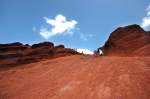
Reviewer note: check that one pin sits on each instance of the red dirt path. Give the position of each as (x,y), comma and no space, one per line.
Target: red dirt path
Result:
(78,77)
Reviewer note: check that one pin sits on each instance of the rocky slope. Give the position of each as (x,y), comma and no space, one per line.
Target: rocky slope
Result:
(78,77)
(131,40)
(17,53)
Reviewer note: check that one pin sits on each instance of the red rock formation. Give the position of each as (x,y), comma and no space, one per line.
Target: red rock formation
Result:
(131,40)
(17,53)
(79,76)
(43,44)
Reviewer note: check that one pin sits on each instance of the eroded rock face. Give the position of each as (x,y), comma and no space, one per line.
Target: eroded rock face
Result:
(43,44)
(131,40)
(16,53)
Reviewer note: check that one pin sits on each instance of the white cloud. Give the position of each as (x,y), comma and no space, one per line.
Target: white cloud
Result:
(85,51)
(148,8)
(148,13)
(60,25)
(85,37)
(146,20)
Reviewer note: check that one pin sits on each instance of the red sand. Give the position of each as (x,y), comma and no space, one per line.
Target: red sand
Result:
(78,77)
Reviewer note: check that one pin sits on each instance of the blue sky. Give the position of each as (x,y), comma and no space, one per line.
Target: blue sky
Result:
(74,23)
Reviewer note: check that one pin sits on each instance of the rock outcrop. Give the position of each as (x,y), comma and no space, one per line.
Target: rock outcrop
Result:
(16,53)
(131,40)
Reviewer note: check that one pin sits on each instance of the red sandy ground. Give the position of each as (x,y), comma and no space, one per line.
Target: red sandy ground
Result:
(78,77)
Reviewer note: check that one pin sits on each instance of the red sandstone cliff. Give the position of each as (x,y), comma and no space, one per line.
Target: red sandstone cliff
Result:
(131,40)
(17,53)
